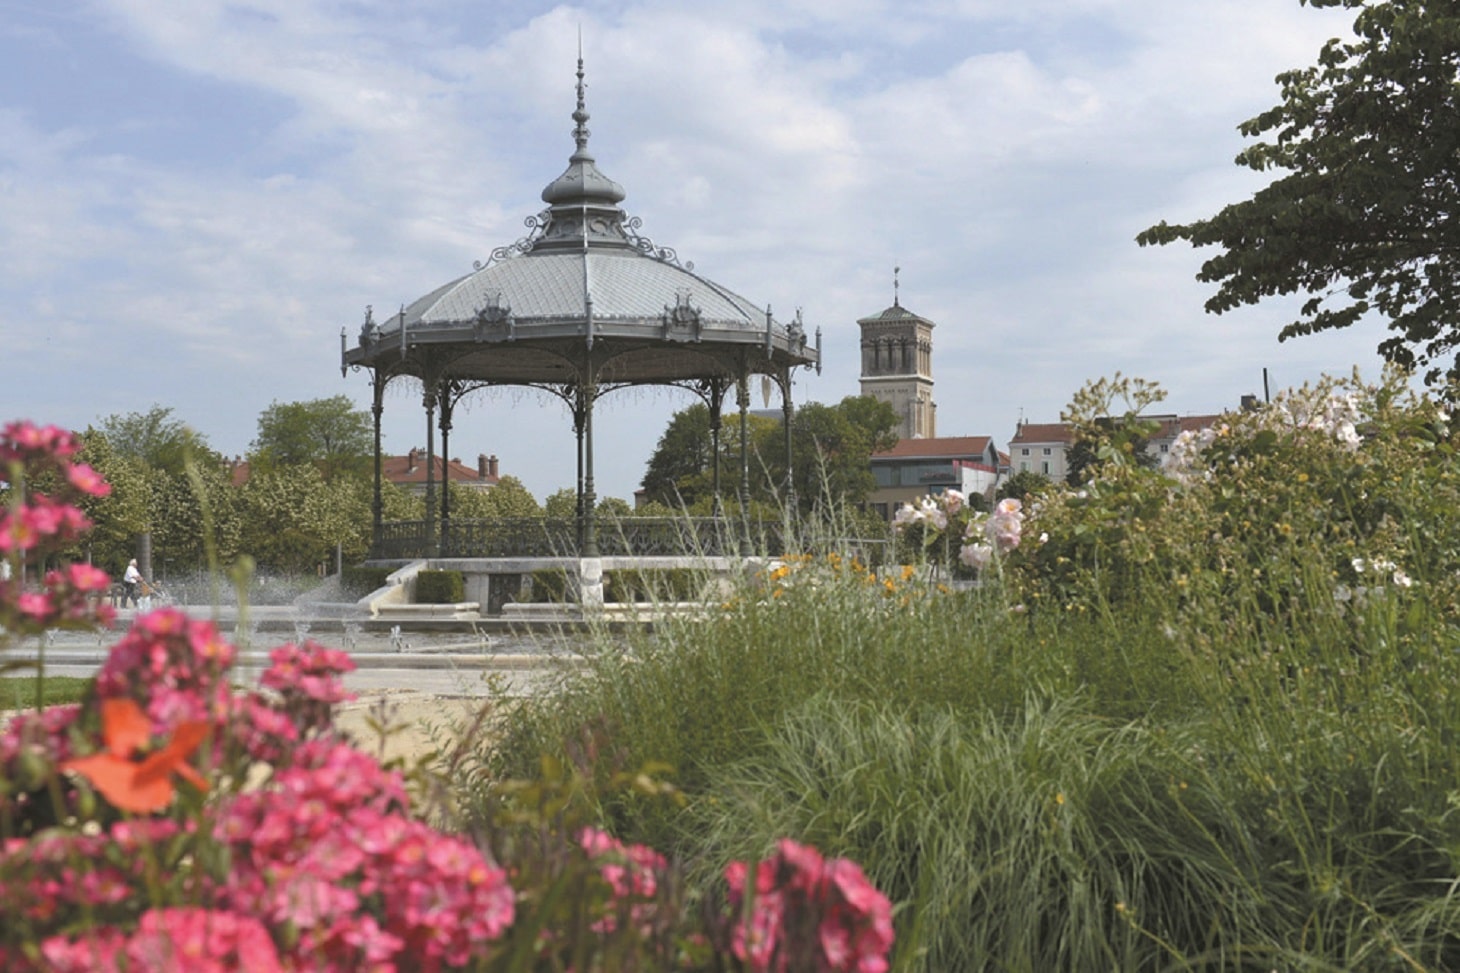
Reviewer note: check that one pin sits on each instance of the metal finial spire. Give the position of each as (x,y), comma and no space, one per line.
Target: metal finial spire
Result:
(580,131)
(895,272)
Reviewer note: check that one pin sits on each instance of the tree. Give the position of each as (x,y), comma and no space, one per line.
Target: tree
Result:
(158,439)
(130,509)
(330,433)
(1022,486)
(1363,220)
(510,498)
(292,519)
(832,447)
(561,504)
(681,468)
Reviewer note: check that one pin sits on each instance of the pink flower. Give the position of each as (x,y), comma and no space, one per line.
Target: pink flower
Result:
(800,895)
(88,952)
(194,940)
(87,480)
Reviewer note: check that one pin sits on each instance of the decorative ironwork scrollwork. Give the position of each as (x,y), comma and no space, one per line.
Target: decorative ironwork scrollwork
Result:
(536,226)
(648,247)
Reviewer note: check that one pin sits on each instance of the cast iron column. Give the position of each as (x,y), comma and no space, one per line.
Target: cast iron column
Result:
(742,398)
(377,409)
(429,401)
(447,392)
(788,412)
(590,499)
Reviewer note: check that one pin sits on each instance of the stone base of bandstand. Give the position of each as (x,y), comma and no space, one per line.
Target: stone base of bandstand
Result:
(492,587)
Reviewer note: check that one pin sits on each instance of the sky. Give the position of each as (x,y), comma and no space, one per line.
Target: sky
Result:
(196,196)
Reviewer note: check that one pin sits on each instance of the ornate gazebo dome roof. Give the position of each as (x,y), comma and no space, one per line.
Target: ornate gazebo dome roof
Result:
(583,279)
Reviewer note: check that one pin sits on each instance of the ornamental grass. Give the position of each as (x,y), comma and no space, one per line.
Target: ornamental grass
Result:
(1193,718)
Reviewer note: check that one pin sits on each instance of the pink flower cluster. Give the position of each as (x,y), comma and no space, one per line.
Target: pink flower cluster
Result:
(806,913)
(316,865)
(329,851)
(169,940)
(34,524)
(174,666)
(633,873)
(57,878)
(934,510)
(322,858)
(306,677)
(999,531)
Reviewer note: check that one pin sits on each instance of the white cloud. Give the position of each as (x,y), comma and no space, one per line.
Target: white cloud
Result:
(1003,153)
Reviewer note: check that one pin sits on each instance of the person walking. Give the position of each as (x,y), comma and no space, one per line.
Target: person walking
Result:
(131,578)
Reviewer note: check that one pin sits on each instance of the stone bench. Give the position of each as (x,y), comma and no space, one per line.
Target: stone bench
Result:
(455,610)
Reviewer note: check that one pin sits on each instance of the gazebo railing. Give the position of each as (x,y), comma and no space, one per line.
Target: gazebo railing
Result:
(548,537)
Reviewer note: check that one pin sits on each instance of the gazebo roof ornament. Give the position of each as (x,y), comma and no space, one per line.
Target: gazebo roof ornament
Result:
(582,185)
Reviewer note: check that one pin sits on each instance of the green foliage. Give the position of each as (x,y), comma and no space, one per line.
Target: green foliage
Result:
(197,519)
(1106,417)
(360,579)
(440,587)
(293,518)
(830,445)
(131,508)
(1361,218)
(681,468)
(158,439)
(550,586)
(329,433)
(1207,723)
(561,504)
(509,498)
(397,503)
(613,508)
(1023,486)
(664,585)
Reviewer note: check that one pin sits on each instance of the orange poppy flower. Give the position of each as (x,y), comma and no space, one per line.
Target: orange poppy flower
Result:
(139,786)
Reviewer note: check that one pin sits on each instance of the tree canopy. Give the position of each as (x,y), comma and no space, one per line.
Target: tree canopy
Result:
(158,439)
(330,433)
(1362,221)
(831,447)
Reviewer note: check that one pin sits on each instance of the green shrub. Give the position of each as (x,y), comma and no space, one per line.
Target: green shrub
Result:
(550,586)
(440,587)
(665,585)
(360,580)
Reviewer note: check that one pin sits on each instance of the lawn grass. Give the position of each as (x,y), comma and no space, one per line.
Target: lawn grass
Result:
(18,692)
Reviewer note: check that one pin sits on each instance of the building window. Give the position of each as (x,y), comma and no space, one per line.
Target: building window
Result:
(1024,451)
(1045,471)
(1023,467)
(1046,450)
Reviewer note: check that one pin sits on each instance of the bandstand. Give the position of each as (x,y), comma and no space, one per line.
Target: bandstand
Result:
(580,307)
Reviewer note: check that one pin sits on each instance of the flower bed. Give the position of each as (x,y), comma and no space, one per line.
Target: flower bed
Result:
(171,822)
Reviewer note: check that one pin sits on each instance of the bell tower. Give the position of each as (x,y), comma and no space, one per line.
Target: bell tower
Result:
(897,365)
